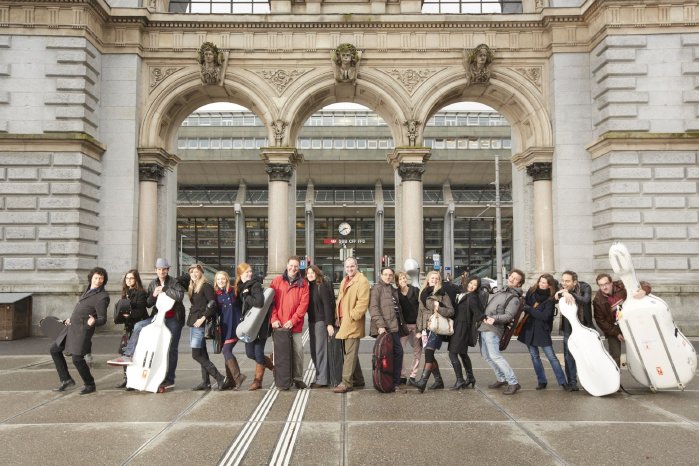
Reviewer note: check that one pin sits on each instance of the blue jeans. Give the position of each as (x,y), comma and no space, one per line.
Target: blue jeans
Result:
(175,330)
(571,369)
(196,337)
(256,350)
(539,367)
(490,350)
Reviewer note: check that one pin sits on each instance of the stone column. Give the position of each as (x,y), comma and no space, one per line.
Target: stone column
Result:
(410,165)
(149,174)
(280,166)
(543,216)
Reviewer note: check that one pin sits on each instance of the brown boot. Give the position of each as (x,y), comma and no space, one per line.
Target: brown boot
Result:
(268,363)
(235,375)
(259,373)
(229,375)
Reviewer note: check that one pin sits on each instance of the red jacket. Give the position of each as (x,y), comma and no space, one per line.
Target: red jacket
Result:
(290,301)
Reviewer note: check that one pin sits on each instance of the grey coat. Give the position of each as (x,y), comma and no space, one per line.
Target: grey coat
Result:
(497,310)
(78,335)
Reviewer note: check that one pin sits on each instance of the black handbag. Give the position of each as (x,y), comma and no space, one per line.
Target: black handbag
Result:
(212,331)
(123,306)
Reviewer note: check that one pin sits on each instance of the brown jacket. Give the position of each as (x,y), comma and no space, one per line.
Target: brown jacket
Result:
(605,316)
(355,302)
(446,308)
(382,308)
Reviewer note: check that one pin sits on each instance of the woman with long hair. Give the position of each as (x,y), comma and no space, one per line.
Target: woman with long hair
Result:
(432,299)
(468,314)
(249,293)
(229,309)
(321,315)
(408,300)
(203,299)
(536,332)
(132,291)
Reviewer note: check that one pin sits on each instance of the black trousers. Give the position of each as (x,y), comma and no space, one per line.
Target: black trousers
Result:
(78,361)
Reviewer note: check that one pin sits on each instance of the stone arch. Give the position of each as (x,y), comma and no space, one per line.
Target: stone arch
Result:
(321,90)
(510,93)
(180,94)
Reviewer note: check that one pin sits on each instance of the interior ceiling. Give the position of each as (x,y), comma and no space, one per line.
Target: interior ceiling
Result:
(343,173)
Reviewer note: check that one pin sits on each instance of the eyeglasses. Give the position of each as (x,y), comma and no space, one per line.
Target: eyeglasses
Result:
(129,278)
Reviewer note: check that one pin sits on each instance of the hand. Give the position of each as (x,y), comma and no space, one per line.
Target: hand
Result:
(288,324)
(66,322)
(639,293)
(489,320)
(157,291)
(382,330)
(331,330)
(620,337)
(436,306)
(569,297)
(276,324)
(91,321)
(200,321)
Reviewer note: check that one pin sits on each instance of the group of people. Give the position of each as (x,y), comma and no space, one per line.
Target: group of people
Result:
(395,307)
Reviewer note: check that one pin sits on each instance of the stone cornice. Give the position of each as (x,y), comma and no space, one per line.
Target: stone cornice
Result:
(53,142)
(158,156)
(637,141)
(532,155)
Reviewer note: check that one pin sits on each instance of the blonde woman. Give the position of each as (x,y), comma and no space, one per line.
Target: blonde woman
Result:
(432,299)
(203,299)
(229,309)
(249,294)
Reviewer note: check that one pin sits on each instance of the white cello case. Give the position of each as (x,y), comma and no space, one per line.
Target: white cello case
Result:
(253,319)
(597,371)
(657,353)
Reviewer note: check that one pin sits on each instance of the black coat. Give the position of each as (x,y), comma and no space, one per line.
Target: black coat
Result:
(78,335)
(250,295)
(203,304)
(409,304)
(321,303)
(537,328)
(468,314)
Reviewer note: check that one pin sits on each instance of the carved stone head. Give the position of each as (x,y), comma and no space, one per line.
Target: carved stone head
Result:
(477,63)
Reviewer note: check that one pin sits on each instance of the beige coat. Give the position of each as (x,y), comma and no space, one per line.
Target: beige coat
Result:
(355,302)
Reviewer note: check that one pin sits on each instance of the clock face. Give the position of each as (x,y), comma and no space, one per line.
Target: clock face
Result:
(344,228)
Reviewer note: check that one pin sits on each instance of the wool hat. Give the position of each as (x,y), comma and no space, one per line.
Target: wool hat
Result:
(162,263)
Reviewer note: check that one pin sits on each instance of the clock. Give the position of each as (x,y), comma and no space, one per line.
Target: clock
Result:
(344,228)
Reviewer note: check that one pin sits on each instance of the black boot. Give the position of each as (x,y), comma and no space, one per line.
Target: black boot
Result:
(460,384)
(438,382)
(221,380)
(470,380)
(205,382)
(426,372)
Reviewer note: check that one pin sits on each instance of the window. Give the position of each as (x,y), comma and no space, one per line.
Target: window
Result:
(507,144)
(496,143)
(327,120)
(204,120)
(472,120)
(349,143)
(260,142)
(450,120)
(215,143)
(428,142)
(438,143)
(383,143)
(473,143)
(327,143)
(315,143)
(471,6)
(462,143)
(451,143)
(339,143)
(439,120)
(192,143)
(305,143)
(249,143)
(249,120)
(220,6)
(215,121)
(361,120)
(361,143)
(182,143)
(226,143)
(372,143)
(315,120)
(485,143)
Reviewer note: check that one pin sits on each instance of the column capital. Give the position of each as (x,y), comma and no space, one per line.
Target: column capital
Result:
(411,171)
(540,171)
(409,162)
(150,172)
(280,162)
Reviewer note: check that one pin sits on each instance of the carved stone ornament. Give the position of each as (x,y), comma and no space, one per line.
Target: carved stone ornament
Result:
(477,62)
(150,172)
(411,171)
(279,128)
(533,74)
(157,75)
(413,127)
(211,61)
(345,59)
(280,79)
(410,78)
(279,171)
(540,171)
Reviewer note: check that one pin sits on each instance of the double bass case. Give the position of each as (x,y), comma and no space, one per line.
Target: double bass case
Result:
(283,358)
(658,355)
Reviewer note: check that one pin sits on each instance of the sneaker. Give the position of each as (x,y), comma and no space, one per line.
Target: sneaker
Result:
(121,361)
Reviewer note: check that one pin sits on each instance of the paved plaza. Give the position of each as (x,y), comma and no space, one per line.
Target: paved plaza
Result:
(318,427)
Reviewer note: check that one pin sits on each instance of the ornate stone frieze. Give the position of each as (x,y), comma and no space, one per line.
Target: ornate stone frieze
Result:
(411,171)
(410,78)
(540,171)
(279,171)
(532,73)
(157,75)
(150,172)
(280,78)
(413,127)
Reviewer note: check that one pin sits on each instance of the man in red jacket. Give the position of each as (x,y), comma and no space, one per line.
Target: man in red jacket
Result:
(290,306)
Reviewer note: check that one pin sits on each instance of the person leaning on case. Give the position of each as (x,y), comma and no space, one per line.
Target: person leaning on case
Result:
(76,337)
(133,300)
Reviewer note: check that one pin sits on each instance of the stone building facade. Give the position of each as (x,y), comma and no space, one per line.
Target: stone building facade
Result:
(602,98)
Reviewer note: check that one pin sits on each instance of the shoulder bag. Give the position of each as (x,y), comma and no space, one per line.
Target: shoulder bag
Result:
(212,331)
(440,325)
